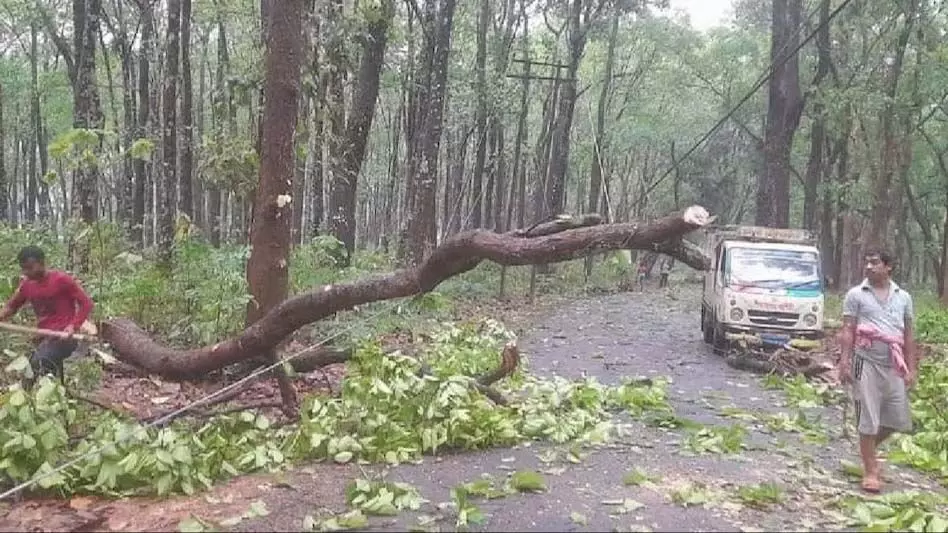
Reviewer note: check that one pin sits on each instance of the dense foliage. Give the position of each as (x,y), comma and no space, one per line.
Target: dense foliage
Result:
(386,412)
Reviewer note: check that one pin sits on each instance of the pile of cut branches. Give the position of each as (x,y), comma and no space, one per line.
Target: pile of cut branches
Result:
(812,359)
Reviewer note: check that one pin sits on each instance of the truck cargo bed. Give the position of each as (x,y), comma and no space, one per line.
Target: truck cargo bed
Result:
(761,234)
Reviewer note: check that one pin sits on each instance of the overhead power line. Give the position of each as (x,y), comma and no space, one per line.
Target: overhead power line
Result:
(779,62)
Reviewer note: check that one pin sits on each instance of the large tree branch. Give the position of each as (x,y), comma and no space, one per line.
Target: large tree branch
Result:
(458,254)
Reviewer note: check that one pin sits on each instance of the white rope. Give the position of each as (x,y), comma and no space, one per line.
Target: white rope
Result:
(177,412)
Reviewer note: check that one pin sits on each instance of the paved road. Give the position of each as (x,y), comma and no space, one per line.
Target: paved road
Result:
(610,337)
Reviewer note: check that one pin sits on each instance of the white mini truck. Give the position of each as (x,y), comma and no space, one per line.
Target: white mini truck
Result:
(765,285)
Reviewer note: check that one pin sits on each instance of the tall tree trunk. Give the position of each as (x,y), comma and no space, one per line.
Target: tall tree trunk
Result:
(15,216)
(319,165)
(456,153)
(4,181)
(111,198)
(40,191)
(143,125)
(938,261)
(36,121)
(336,110)
(544,162)
(943,274)
(358,126)
(520,162)
(256,126)
(844,274)
(267,268)
(480,119)
(928,239)
(543,154)
(225,126)
(491,170)
(390,214)
(815,165)
(87,110)
(186,181)
(595,173)
(499,173)
(318,137)
(560,142)
(200,125)
(499,163)
(30,185)
(783,116)
(421,230)
(411,89)
(169,181)
(127,189)
(305,156)
(881,212)
(301,155)
(595,181)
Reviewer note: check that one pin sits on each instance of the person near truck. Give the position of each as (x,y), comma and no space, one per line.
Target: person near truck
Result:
(664,272)
(60,304)
(878,359)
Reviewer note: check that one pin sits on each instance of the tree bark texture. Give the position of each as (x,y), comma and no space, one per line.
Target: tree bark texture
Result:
(144,116)
(169,145)
(267,272)
(560,140)
(186,181)
(428,109)
(815,164)
(783,116)
(480,120)
(87,108)
(359,123)
(336,70)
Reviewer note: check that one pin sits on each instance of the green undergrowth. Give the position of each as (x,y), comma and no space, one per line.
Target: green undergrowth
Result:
(388,411)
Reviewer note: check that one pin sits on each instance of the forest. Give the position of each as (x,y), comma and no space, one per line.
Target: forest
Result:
(325,233)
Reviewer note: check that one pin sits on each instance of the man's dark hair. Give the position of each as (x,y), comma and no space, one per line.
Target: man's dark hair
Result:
(31,252)
(883,256)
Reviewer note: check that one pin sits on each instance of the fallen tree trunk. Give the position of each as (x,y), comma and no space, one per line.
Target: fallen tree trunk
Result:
(458,254)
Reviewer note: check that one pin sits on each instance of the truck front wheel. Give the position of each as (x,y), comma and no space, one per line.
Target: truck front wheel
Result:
(718,338)
(706,328)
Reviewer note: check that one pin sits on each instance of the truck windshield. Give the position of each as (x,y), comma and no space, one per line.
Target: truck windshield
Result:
(772,268)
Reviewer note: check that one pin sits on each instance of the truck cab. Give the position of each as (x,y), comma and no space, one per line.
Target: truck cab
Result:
(764,284)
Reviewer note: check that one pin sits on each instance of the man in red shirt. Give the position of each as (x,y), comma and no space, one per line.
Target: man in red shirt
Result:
(59,303)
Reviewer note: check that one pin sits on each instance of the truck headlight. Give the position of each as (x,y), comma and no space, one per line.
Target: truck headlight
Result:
(737,314)
(809,320)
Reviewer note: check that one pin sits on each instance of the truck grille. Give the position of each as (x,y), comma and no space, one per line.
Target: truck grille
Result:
(773,318)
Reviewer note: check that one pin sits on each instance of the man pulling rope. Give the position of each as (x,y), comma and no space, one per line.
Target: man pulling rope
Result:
(60,304)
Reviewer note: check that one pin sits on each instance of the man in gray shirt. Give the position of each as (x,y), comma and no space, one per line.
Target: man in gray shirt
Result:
(878,359)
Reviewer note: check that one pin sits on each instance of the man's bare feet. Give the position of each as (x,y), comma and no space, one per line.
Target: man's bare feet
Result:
(871,483)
